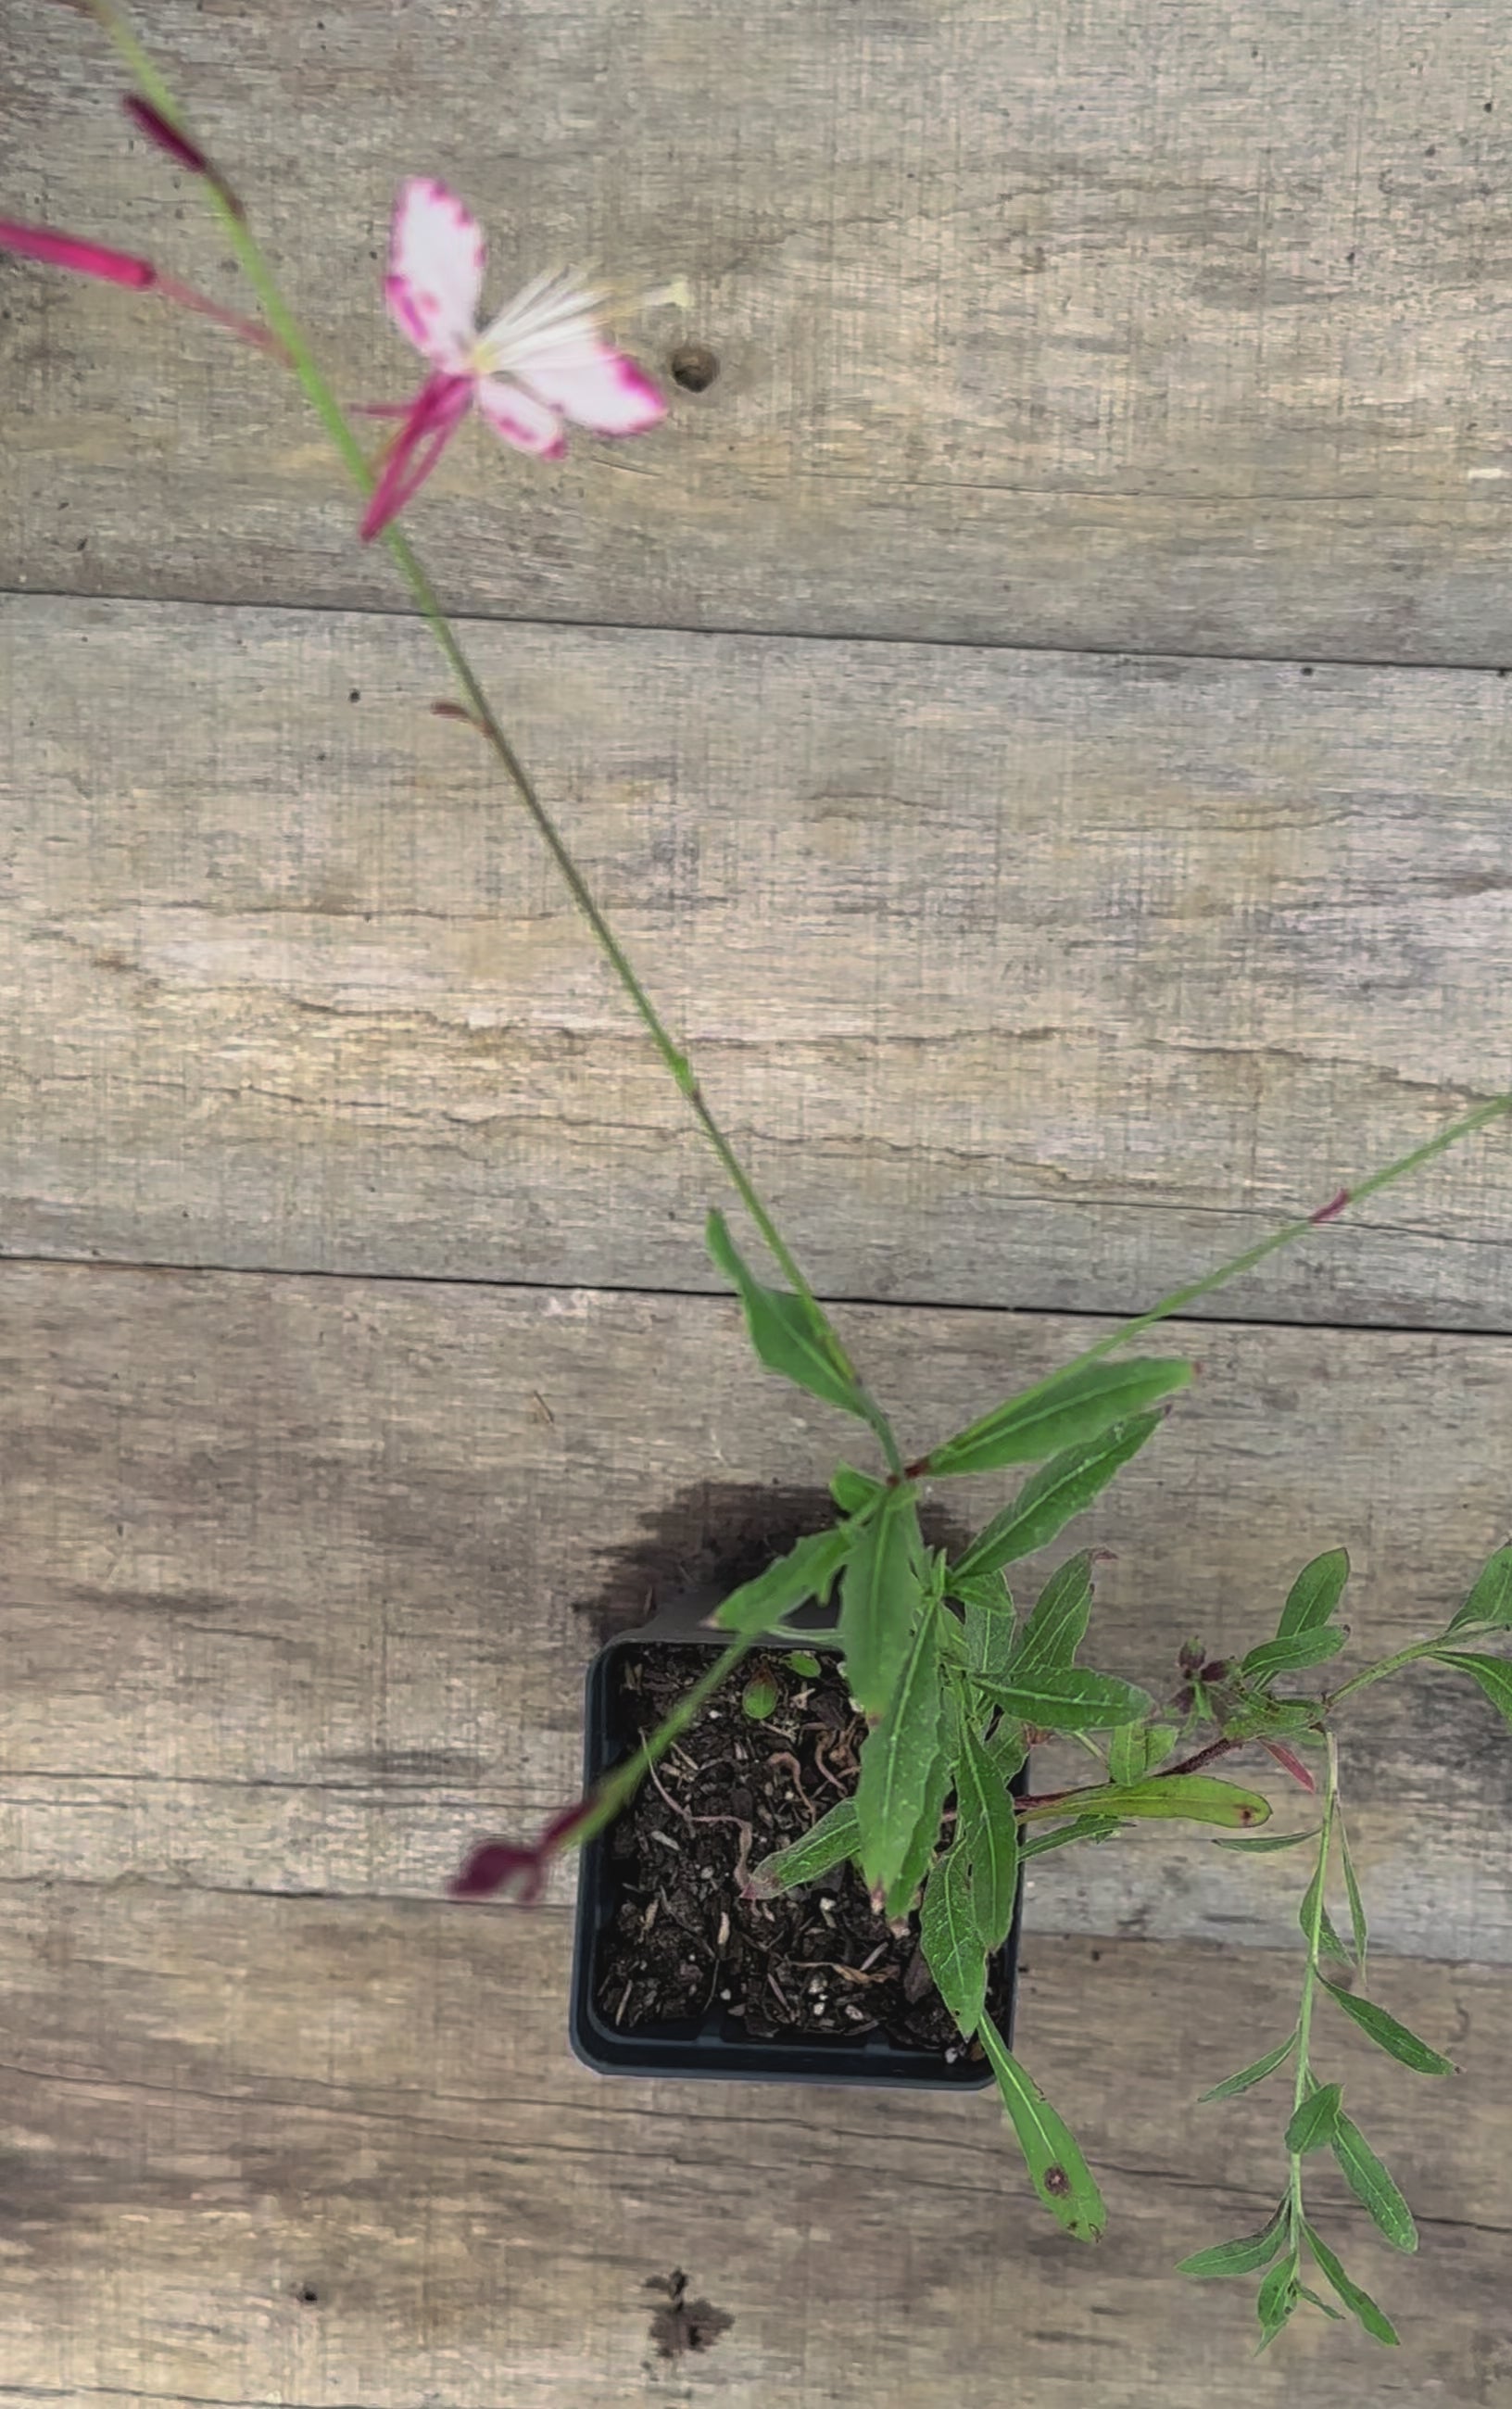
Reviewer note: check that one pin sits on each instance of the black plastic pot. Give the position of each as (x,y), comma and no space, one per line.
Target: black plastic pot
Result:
(716,2044)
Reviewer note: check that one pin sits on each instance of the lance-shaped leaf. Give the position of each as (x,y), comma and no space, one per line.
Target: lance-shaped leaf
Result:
(989,1830)
(1071,1700)
(1278,2296)
(897,1760)
(1249,2076)
(1330,1944)
(807,1570)
(1316,2121)
(1057,1625)
(1313,1594)
(1137,1749)
(1264,1845)
(1385,2031)
(1292,1654)
(1374,2319)
(1358,1927)
(1065,1487)
(1245,2256)
(1488,1606)
(1084,1828)
(852,1489)
(919,1855)
(952,1946)
(1080,1405)
(1171,1798)
(880,1595)
(1056,2168)
(835,1838)
(1493,1673)
(1373,2187)
(788,1332)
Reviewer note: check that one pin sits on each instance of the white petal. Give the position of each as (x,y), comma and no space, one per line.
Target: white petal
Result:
(592,385)
(520,419)
(436,272)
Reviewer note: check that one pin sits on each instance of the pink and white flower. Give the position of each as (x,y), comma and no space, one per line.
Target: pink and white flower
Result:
(541,364)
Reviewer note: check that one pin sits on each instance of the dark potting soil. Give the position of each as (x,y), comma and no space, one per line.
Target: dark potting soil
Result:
(730,1791)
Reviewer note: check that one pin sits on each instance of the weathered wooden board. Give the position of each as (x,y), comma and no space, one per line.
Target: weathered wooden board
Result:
(300,1574)
(1022,979)
(323,2151)
(1162,325)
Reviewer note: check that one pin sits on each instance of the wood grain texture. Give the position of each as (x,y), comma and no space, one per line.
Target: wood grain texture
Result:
(1020,978)
(223,2107)
(301,1575)
(1163,324)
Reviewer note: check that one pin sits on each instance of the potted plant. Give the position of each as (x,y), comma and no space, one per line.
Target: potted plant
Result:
(869,1778)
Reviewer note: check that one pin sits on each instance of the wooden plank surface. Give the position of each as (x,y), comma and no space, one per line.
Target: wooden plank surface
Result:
(1163,324)
(1021,978)
(330,2152)
(301,1575)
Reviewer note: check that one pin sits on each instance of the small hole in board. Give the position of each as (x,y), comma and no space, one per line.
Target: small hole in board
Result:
(308,2294)
(694,367)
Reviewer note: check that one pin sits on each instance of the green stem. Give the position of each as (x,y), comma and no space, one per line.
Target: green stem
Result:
(618,1788)
(1494,1108)
(1378,1672)
(290,337)
(1310,1978)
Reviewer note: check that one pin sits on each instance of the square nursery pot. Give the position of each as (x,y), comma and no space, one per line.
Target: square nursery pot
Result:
(717,2044)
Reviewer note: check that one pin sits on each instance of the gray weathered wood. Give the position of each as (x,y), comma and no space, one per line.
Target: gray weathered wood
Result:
(221,2107)
(1021,978)
(300,1574)
(1153,326)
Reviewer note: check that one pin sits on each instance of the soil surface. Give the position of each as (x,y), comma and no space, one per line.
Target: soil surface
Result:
(685,1937)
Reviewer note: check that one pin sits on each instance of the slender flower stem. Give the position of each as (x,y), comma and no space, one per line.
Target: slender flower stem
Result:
(1309,1979)
(288,334)
(618,1788)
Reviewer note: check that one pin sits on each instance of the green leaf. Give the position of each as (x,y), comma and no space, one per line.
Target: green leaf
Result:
(1306,2292)
(1360,1930)
(1242,2257)
(1493,1673)
(991,1632)
(789,1333)
(1364,2308)
(1313,2124)
(880,1593)
(1070,1700)
(1277,2299)
(836,1837)
(1057,1625)
(1082,1827)
(897,1760)
(1249,2076)
(853,1491)
(1328,1942)
(1267,1842)
(758,1697)
(804,1663)
(1056,2168)
(1385,2031)
(952,1945)
(1313,1594)
(1007,1749)
(1488,1606)
(1292,1654)
(989,1838)
(1173,1798)
(919,1855)
(1263,1717)
(806,1571)
(1136,1749)
(1373,2187)
(1081,1404)
(1064,1488)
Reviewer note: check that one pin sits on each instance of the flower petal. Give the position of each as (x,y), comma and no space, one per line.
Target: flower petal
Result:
(520,419)
(435,271)
(66,251)
(592,385)
(440,408)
